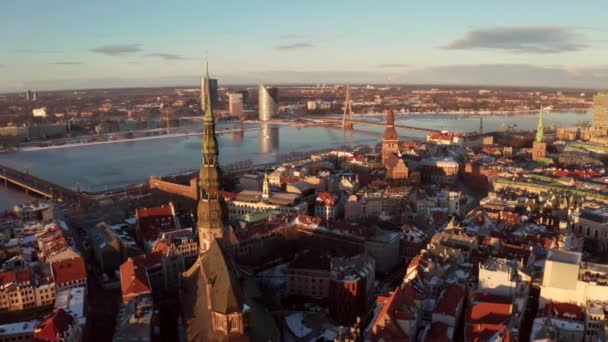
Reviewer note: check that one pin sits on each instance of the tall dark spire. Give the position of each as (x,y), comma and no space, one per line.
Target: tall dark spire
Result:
(210,206)
(390,139)
(390,118)
(540,129)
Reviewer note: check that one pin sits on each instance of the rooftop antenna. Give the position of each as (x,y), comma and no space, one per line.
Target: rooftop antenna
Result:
(207,63)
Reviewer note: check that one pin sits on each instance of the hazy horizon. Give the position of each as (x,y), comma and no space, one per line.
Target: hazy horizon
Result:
(152,43)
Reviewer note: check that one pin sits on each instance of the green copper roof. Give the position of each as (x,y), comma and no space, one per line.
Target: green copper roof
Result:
(208,117)
(540,129)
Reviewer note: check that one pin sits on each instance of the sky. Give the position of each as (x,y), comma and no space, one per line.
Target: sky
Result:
(74,44)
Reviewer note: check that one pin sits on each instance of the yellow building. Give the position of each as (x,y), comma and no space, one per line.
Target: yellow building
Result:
(600,110)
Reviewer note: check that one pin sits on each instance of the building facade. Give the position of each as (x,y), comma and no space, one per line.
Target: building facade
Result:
(600,111)
(268,102)
(235,104)
(211,85)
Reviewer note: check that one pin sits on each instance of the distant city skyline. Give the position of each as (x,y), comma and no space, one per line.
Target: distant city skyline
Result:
(73,45)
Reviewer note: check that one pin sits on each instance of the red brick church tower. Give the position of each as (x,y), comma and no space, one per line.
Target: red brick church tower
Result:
(390,140)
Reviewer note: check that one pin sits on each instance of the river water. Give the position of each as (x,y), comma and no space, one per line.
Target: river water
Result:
(110,166)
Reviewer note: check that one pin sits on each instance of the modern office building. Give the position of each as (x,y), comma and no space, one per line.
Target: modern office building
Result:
(235,103)
(212,92)
(600,110)
(268,102)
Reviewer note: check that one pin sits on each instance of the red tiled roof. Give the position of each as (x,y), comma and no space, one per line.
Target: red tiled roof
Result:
(229,195)
(151,221)
(69,270)
(55,328)
(260,229)
(161,247)
(485,332)
(489,313)
(509,251)
(451,299)
(165,210)
(437,332)
(564,310)
(133,280)
(418,262)
(326,198)
(576,173)
(305,219)
(398,306)
(20,276)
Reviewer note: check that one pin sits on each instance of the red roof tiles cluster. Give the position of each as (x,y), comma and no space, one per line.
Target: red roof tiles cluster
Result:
(445,136)
(21,276)
(259,230)
(69,271)
(56,328)
(564,310)
(134,279)
(399,305)
(488,316)
(52,241)
(578,174)
(152,221)
(450,300)
(326,199)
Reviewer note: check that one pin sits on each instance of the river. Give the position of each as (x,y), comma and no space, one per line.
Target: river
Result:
(101,167)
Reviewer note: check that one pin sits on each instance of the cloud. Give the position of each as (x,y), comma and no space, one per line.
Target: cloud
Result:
(167,56)
(66,63)
(117,49)
(511,75)
(294,46)
(291,36)
(392,65)
(35,51)
(530,39)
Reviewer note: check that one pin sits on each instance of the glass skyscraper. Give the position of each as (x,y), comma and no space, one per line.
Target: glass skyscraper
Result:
(268,102)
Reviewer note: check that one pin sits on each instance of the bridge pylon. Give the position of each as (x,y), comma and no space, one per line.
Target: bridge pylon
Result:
(348,110)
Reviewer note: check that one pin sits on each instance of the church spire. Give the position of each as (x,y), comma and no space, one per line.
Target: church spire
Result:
(390,118)
(210,205)
(207,96)
(540,129)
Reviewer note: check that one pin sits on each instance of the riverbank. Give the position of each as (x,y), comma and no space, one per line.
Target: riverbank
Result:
(483,113)
(115,141)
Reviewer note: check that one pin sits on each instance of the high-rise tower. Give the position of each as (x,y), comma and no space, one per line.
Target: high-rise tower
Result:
(268,102)
(390,140)
(539,147)
(211,84)
(211,203)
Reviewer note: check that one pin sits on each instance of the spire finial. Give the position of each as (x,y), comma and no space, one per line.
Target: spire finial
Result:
(206,63)
(540,129)
(207,97)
